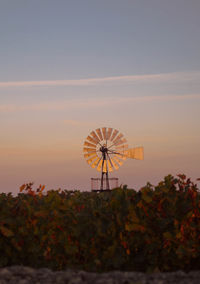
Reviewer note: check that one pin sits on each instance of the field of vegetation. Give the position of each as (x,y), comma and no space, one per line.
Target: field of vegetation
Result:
(154,229)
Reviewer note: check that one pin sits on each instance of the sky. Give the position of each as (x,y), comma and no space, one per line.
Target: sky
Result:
(69,67)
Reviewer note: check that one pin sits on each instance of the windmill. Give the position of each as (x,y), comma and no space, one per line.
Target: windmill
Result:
(105,149)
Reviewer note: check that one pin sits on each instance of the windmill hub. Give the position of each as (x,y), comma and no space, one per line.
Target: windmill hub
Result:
(104,149)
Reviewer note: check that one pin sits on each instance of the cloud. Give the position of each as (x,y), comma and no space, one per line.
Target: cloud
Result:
(162,77)
(78,104)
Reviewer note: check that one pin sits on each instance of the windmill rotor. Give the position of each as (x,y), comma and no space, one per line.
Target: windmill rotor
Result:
(105,149)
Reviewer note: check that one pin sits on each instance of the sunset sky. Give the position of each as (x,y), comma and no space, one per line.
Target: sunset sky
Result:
(69,67)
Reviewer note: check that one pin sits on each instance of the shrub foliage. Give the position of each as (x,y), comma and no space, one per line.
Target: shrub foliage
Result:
(155,228)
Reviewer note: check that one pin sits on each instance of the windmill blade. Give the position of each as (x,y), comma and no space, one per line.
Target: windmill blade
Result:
(109,132)
(95,163)
(115,132)
(93,134)
(120,142)
(110,169)
(135,153)
(89,150)
(121,156)
(99,165)
(104,133)
(114,164)
(99,133)
(118,160)
(123,147)
(89,144)
(118,138)
(92,140)
(89,155)
(119,153)
(91,160)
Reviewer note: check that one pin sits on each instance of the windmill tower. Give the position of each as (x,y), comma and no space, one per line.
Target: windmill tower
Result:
(105,149)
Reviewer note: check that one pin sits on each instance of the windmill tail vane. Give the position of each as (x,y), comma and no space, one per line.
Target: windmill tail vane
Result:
(135,153)
(105,149)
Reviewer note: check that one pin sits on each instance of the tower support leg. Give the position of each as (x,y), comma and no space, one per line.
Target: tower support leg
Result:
(102,174)
(106,173)
(107,181)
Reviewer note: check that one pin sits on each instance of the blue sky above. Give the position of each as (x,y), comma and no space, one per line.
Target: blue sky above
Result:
(76,39)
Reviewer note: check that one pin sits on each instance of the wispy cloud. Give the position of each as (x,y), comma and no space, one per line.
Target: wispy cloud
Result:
(93,103)
(162,77)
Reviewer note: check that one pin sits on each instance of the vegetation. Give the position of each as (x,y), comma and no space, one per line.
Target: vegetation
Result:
(155,228)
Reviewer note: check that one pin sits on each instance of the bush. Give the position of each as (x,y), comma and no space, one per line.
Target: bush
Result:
(156,228)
